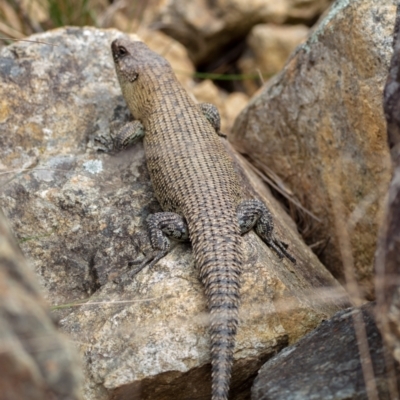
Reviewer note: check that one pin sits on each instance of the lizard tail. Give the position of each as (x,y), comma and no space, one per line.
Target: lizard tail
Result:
(217,246)
(223,327)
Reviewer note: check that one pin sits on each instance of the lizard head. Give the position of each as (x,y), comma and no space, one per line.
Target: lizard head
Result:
(139,69)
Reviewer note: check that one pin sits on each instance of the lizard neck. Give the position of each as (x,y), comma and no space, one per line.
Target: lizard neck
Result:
(146,97)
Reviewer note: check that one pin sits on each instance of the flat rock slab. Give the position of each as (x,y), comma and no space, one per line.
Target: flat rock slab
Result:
(326,364)
(319,126)
(79,214)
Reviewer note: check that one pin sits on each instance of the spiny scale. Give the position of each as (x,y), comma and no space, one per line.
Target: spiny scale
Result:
(197,187)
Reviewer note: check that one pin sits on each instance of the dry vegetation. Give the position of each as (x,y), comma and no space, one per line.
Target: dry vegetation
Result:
(21,18)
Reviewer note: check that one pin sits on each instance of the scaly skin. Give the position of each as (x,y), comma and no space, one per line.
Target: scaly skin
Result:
(197,187)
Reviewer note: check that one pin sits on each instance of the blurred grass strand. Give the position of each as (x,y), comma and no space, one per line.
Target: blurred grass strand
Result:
(10,32)
(342,231)
(75,12)
(222,77)
(19,18)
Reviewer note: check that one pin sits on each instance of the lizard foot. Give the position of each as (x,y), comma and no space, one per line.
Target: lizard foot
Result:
(255,214)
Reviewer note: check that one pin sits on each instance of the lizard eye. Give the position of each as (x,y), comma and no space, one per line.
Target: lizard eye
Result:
(121,51)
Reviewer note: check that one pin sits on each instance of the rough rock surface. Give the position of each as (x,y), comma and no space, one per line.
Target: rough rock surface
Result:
(269,48)
(205,27)
(36,361)
(319,126)
(80,215)
(326,364)
(387,263)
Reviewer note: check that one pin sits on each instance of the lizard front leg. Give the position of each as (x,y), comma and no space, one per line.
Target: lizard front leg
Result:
(162,227)
(128,135)
(213,117)
(255,214)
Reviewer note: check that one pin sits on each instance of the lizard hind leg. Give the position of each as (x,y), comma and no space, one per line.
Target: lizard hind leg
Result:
(255,214)
(162,227)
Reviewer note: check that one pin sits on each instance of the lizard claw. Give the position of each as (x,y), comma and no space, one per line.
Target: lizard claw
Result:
(150,260)
(130,274)
(283,249)
(134,262)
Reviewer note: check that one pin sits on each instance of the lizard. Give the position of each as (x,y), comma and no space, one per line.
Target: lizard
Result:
(197,187)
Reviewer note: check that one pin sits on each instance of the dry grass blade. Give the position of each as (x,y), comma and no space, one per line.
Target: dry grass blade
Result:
(105,19)
(280,187)
(342,232)
(260,76)
(31,25)
(140,9)
(272,175)
(9,18)
(88,303)
(27,40)
(10,32)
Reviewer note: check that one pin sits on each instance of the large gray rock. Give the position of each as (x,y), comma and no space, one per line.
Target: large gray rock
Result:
(319,127)
(326,364)
(80,216)
(36,361)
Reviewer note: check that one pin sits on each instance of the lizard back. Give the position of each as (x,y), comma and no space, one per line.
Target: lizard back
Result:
(193,176)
